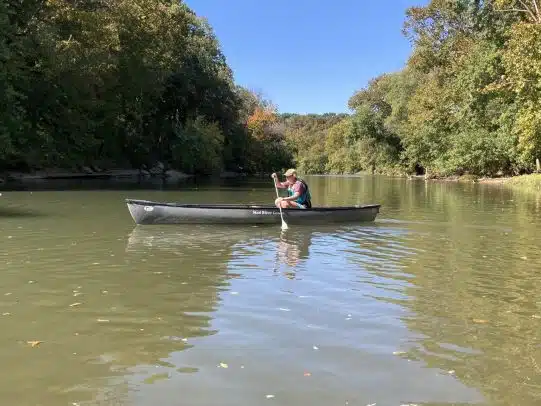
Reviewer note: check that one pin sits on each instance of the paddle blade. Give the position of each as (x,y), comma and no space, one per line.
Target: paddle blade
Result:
(284,225)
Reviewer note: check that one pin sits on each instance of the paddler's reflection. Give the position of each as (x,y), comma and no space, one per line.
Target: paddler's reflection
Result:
(292,250)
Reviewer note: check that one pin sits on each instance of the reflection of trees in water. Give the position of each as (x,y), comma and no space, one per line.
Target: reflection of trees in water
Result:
(135,305)
(475,290)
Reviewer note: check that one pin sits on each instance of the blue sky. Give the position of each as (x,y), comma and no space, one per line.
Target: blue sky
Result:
(309,56)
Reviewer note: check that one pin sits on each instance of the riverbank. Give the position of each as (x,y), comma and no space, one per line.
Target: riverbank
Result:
(157,172)
(529,182)
(44,175)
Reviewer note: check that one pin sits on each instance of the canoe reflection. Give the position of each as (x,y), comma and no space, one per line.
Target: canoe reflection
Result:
(290,247)
(205,238)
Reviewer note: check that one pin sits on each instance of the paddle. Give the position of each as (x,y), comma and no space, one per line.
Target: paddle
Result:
(284,224)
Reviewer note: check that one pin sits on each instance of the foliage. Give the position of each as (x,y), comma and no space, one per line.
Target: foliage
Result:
(467,101)
(125,82)
(198,147)
(133,83)
(305,137)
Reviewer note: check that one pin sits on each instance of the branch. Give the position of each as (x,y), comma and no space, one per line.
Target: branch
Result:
(522,10)
(528,10)
(513,9)
(536,10)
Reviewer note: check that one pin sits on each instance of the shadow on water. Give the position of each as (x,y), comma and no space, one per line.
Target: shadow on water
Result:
(17,212)
(135,184)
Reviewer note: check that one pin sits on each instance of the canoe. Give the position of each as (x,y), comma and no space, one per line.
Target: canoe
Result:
(149,212)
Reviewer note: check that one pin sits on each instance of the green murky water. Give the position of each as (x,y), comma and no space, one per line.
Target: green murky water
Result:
(436,303)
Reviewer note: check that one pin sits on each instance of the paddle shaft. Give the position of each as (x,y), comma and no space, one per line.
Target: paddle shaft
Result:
(284,224)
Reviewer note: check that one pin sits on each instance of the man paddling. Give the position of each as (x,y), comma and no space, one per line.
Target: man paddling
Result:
(297,190)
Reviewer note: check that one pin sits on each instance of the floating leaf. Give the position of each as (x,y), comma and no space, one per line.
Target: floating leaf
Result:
(75,304)
(34,343)
(480,321)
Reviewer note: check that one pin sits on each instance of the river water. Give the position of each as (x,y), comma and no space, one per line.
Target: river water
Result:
(435,303)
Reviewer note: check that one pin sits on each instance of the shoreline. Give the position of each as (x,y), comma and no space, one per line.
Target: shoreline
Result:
(527,181)
(10,177)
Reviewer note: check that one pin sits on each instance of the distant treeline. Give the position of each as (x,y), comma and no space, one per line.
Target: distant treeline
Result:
(118,83)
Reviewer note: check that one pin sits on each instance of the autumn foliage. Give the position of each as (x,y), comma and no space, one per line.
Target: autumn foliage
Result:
(261,119)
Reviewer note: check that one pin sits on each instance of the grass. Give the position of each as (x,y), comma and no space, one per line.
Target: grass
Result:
(530,182)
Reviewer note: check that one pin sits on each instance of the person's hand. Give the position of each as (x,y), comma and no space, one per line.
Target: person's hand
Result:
(274,176)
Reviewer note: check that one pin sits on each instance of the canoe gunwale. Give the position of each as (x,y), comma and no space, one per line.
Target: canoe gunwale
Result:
(220,206)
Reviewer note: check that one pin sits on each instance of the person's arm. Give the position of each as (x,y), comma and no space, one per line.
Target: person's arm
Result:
(277,183)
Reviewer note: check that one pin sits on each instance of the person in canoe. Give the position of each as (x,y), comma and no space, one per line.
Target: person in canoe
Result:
(297,190)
